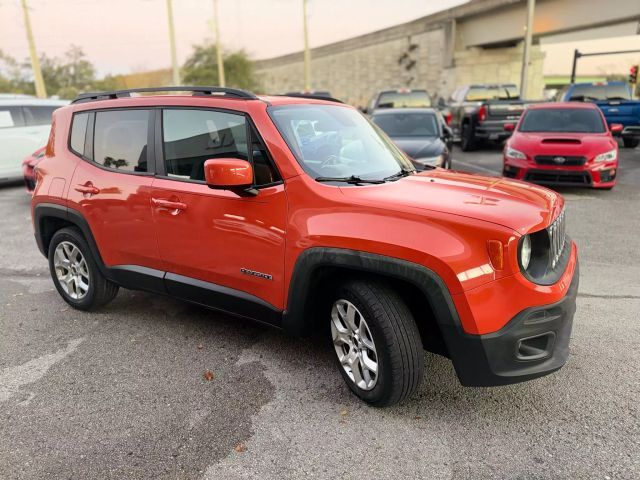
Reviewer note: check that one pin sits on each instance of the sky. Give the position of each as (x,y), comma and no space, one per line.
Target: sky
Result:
(123,36)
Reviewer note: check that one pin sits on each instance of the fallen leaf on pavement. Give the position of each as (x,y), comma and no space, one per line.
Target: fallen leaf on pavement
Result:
(240,448)
(208,375)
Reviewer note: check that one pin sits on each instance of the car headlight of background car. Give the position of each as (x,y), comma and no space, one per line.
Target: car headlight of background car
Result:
(434,161)
(513,153)
(606,156)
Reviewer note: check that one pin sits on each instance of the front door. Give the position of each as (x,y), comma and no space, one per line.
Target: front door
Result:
(219,248)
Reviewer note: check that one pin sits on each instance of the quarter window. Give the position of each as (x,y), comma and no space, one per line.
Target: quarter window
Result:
(78,132)
(120,140)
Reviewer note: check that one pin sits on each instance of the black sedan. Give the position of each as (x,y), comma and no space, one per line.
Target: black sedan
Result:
(419,132)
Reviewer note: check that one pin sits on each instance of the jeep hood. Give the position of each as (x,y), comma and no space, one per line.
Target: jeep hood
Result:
(521,206)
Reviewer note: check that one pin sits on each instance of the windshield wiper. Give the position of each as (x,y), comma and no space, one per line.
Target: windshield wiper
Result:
(617,98)
(353,179)
(402,173)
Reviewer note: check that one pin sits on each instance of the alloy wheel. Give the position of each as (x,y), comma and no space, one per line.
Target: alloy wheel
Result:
(354,344)
(71,270)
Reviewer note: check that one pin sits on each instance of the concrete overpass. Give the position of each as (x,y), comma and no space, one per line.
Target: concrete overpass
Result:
(480,41)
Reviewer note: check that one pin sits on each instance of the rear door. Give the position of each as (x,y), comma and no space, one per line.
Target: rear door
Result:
(218,247)
(111,187)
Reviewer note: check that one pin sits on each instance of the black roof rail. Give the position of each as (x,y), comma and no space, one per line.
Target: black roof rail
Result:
(217,91)
(313,97)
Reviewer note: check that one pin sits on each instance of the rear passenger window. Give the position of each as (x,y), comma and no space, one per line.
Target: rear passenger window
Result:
(120,139)
(78,132)
(191,137)
(38,115)
(11,117)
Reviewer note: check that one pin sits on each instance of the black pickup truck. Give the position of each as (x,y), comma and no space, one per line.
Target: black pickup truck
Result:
(480,111)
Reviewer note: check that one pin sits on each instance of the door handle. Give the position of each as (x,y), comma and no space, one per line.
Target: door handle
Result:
(168,204)
(88,189)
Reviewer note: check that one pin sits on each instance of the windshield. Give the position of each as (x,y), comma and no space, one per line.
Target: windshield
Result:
(495,92)
(409,99)
(568,120)
(337,141)
(408,124)
(600,92)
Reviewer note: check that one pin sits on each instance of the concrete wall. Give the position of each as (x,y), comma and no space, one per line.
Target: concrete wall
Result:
(355,72)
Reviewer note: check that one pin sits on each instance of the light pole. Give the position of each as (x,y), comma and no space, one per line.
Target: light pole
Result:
(307,57)
(41,91)
(172,42)
(526,55)
(216,27)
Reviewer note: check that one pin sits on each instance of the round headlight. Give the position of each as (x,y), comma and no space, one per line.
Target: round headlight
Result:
(525,252)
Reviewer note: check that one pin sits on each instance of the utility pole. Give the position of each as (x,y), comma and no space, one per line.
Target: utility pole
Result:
(576,56)
(307,58)
(172,42)
(41,91)
(526,54)
(216,27)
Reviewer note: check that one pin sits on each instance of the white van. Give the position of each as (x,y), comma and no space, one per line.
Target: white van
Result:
(24,127)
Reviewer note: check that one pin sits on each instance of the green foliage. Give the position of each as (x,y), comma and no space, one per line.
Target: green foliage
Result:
(201,68)
(65,77)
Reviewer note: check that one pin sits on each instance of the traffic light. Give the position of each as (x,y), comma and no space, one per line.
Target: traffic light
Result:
(633,74)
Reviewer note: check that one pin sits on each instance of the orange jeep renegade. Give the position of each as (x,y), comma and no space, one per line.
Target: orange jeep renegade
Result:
(300,213)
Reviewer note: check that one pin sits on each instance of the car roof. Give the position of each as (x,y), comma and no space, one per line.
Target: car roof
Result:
(390,111)
(547,105)
(31,102)
(191,100)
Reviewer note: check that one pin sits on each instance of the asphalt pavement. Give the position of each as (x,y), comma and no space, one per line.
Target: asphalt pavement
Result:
(122,393)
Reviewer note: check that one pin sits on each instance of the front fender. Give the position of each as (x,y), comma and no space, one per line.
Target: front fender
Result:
(310,261)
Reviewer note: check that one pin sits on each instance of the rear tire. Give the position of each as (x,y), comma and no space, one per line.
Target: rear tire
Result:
(468,141)
(630,142)
(383,333)
(75,273)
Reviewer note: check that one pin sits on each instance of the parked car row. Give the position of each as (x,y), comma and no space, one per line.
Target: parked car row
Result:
(473,114)
(563,143)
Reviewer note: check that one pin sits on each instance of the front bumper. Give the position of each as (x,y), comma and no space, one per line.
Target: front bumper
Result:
(589,175)
(534,343)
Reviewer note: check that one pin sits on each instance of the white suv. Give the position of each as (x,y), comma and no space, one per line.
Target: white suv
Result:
(24,127)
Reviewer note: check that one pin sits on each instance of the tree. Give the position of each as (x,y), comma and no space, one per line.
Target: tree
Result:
(69,75)
(14,76)
(201,68)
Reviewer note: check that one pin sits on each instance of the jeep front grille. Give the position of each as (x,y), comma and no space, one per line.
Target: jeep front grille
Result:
(557,238)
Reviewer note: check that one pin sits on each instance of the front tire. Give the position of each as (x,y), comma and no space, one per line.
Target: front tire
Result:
(630,142)
(75,273)
(377,342)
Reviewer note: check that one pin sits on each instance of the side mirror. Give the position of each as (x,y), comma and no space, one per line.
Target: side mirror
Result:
(616,128)
(509,127)
(229,174)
